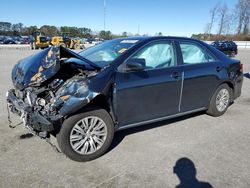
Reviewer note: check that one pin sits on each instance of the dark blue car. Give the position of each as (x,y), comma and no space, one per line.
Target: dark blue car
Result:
(82,99)
(229,48)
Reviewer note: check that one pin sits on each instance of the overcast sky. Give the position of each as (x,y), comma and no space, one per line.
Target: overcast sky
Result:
(171,17)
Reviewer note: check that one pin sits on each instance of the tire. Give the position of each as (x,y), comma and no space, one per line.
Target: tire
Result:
(31,46)
(233,54)
(76,46)
(74,147)
(214,106)
(63,45)
(82,47)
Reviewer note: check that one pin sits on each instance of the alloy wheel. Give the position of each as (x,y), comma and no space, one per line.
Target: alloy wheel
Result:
(88,135)
(222,100)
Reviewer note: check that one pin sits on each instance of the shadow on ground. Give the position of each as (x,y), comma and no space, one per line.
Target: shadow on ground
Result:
(27,135)
(247,75)
(120,135)
(186,172)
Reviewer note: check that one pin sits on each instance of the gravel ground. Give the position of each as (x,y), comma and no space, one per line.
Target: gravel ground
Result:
(218,148)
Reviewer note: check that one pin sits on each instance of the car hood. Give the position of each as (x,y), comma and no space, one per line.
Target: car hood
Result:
(36,69)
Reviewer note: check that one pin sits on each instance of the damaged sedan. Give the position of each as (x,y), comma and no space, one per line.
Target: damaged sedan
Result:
(84,98)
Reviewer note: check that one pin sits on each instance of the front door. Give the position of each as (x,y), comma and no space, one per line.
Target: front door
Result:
(152,93)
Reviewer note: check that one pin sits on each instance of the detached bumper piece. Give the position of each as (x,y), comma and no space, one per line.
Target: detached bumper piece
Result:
(32,119)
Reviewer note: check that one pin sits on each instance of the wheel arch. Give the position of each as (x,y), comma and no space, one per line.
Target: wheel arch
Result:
(230,85)
(99,101)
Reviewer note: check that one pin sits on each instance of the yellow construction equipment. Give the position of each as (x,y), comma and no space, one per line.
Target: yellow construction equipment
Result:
(39,41)
(66,41)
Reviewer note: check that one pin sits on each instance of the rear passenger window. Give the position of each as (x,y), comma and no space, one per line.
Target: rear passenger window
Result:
(193,54)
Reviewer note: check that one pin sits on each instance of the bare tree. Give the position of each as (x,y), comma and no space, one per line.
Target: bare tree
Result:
(236,21)
(223,18)
(207,29)
(246,17)
(243,14)
(240,15)
(230,24)
(246,25)
(213,13)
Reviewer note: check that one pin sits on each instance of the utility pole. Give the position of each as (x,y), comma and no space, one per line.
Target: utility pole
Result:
(104,15)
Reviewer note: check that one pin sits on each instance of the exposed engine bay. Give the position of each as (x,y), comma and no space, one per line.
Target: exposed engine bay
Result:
(48,87)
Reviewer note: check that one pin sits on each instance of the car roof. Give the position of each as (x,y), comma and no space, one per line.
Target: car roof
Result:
(157,37)
(153,38)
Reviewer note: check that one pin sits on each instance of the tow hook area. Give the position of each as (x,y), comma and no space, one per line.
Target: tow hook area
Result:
(53,145)
(43,135)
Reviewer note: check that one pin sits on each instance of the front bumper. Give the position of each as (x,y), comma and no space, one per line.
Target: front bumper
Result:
(31,118)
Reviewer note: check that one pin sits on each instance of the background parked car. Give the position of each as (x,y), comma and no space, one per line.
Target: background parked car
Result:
(9,41)
(2,39)
(230,48)
(25,40)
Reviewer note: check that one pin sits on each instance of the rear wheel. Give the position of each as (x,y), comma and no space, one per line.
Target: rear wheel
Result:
(62,44)
(233,54)
(220,101)
(86,136)
(82,47)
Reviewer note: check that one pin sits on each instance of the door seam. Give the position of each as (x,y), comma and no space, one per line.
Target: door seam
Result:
(181,93)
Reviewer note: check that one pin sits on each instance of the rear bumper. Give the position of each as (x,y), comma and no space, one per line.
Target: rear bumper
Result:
(238,86)
(31,118)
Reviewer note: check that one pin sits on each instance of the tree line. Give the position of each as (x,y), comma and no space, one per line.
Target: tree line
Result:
(226,24)
(18,29)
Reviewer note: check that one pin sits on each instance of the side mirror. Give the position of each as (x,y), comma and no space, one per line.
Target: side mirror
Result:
(135,65)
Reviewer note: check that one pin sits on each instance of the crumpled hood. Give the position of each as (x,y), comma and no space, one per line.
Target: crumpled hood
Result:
(36,69)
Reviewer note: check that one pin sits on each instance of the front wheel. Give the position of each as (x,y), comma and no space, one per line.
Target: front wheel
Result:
(220,101)
(86,136)
(76,46)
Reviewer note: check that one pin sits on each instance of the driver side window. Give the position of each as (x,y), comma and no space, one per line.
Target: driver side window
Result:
(157,55)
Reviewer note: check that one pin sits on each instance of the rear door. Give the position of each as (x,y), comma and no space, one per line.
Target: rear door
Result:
(201,75)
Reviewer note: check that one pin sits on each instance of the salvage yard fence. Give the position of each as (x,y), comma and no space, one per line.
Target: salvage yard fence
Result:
(25,46)
(240,44)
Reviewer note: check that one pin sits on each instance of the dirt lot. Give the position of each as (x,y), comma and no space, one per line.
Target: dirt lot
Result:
(219,148)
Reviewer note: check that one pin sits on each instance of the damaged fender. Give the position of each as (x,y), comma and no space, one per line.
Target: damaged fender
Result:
(73,95)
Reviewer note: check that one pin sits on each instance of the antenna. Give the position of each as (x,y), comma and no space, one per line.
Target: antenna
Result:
(104,15)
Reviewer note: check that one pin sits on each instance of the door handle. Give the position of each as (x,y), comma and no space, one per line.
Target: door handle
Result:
(175,75)
(218,69)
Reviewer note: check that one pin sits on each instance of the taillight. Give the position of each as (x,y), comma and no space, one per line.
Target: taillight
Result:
(241,67)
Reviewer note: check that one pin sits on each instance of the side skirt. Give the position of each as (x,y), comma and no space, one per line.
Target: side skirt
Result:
(159,119)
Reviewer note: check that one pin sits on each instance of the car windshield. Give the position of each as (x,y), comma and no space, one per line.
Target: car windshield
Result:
(105,53)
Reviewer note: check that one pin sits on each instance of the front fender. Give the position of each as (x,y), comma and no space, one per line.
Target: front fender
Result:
(73,95)
(74,103)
